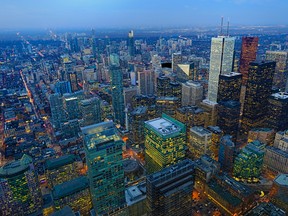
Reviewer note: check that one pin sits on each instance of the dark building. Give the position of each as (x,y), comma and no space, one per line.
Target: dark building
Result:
(259,89)
(277,117)
(169,191)
(131,45)
(229,87)
(163,86)
(248,54)
(226,153)
(228,117)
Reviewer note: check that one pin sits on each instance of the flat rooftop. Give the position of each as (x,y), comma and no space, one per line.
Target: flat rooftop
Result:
(135,193)
(201,131)
(282,179)
(58,162)
(13,168)
(164,126)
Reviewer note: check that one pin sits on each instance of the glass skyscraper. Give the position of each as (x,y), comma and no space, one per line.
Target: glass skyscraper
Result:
(221,62)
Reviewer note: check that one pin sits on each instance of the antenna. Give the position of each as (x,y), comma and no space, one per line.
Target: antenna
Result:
(221,29)
(228,28)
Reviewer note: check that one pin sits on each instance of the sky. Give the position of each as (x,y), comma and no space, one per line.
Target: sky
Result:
(139,13)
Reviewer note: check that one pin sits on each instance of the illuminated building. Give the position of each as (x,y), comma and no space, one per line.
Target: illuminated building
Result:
(165,141)
(259,85)
(280,191)
(57,110)
(163,87)
(167,105)
(67,211)
(20,191)
(175,90)
(131,45)
(138,115)
(226,153)
(266,209)
(169,191)
(63,87)
(249,162)
(71,106)
(228,117)
(264,135)
(190,116)
(62,169)
(72,78)
(210,111)
(221,62)
(217,134)
(192,93)
(136,199)
(117,89)
(146,82)
(146,100)
(229,87)
(129,93)
(199,141)
(185,72)
(70,129)
(74,193)
(103,150)
(277,116)
(230,196)
(248,55)
(91,112)
(280,75)
(176,59)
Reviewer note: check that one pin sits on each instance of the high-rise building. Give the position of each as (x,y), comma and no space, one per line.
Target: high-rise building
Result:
(185,72)
(63,87)
(192,93)
(146,82)
(264,135)
(117,89)
(221,62)
(169,191)
(91,112)
(103,150)
(228,117)
(210,111)
(20,191)
(229,87)
(131,45)
(259,87)
(249,162)
(57,110)
(190,116)
(71,106)
(165,141)
(277,115)
(73,79)
(281,70)
(199,142)
(226,153)
(176,59)
(217,134)
(248,55)
(138,115)
(163,85)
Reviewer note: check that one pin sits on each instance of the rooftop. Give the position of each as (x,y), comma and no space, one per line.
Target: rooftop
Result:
(58,162)
(282,180)
(201,131)
(139,110)
(231,74)
(135,193)
(70,187)
(266,209)
(67,211)
(280,96)
(16,167)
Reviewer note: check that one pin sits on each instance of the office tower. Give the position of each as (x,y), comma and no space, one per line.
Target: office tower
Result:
(226,153)
(57,110)
(74,193)
(71,106)
(175,90)
(192,93)
(210,110)
(136,199)
(70,129)
(63,87)
(229,87)
(146,82)
(258,90)
(131,45)
(103,150)
(228,117)
(200,142)
(185,72)
(62,169)
(217,134)
(169,191)
(176,59)
(167,105)
(20,191)
(280,191)
(117,89)
(221,62)
(138,115)
(248,55)
(91,112)
(264,135)
(72,78)
(163,87)
(277,115)
(165,141)
(281,70)
(129,93)
(248,163)
(266,208)
(190,116)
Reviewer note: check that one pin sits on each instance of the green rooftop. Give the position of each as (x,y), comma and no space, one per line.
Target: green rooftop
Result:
(70,187)
(61,161)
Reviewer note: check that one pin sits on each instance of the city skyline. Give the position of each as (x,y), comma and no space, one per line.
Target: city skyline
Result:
(137,14)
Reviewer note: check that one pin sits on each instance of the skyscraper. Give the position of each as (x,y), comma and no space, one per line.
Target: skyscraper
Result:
(259,88)
(165,140)
(229,87)
(57,110)
(221,62)
(226,153)
(146,82)
(192,93)
(169,191)
(131,45)
(103,150)
(117,89)
(20,192)
(248,55)
(176,59)
(91,112)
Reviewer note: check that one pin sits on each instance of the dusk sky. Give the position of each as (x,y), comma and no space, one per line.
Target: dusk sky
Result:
(139,13)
